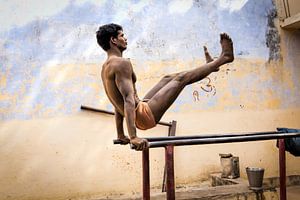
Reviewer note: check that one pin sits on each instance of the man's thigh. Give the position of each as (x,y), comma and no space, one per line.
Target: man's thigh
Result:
(164,98)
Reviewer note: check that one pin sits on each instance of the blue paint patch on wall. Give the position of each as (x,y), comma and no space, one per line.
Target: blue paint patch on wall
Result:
(154,33)
(152,27)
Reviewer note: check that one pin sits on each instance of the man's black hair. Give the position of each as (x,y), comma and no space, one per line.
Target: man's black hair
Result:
(105,32)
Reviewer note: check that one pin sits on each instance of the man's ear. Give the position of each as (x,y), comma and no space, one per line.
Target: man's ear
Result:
(113,40)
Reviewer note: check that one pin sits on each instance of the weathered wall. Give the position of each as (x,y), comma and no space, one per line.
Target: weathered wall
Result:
(50,64)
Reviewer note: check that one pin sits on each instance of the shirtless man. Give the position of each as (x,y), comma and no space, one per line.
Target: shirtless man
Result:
(119,83)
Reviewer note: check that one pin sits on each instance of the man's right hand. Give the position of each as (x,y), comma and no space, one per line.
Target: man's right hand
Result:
(139,143)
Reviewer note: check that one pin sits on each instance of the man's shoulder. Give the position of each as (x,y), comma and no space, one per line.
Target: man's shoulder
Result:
(119,61)
(120,64)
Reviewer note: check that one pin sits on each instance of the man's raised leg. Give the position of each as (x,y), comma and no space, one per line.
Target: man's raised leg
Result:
(167,94)
(167,78)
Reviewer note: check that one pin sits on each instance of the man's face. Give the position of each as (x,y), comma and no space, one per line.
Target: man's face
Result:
(121,41)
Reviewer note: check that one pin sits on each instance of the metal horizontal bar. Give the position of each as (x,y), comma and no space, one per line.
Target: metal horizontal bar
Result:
(112,113)
(227,139)
(154,139)
(96,110)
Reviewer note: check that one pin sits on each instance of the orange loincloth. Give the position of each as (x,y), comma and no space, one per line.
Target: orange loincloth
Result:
(144,118)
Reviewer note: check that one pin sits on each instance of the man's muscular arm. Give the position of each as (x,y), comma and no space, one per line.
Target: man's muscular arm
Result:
(124,83)
(120,130)
(123,79)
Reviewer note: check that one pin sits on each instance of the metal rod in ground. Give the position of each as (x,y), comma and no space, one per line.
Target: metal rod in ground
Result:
(96,110)
(112,113)
(282,169)
(146,175)
(222,140)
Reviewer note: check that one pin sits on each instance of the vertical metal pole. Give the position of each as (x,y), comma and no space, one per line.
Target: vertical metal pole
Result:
(169,156)
(282,169)
(172,132)
(146,175)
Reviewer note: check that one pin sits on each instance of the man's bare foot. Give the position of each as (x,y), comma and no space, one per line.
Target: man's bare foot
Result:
(124,140)
(139,143)
(208,58)
(227,48)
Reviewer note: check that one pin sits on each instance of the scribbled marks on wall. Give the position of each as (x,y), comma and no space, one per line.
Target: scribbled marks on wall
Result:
(205,86)
(272,36)
(151,48)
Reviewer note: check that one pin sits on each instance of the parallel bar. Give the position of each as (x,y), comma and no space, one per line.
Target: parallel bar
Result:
(169,157)
(183,142)
(282,169)
(112,113)
(146,175)
(154,139)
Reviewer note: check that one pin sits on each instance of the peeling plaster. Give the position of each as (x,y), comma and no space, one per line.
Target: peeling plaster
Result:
(272,36)
(57,53)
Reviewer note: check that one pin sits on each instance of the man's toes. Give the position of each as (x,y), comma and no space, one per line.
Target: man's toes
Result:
(225,36)
(222,35)
(228,38)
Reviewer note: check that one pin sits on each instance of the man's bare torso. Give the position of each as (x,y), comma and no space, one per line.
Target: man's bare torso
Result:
(108,75)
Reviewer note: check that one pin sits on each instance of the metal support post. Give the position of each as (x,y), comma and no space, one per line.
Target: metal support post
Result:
(146,175)
(172,132)
(282,169)
(169,156)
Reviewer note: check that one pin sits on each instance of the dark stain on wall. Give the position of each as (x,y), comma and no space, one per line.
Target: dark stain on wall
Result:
(272,36)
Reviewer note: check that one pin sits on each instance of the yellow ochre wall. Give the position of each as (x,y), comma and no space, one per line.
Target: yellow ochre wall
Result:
(50,65)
